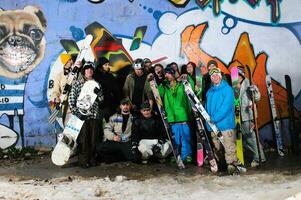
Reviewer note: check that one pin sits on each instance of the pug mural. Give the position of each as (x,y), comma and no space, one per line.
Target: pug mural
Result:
(22,48)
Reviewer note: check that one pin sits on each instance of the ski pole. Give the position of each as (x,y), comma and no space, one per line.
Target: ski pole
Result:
(254,114)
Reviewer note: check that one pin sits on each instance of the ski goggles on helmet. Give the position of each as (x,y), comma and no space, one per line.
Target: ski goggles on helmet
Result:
(214,71)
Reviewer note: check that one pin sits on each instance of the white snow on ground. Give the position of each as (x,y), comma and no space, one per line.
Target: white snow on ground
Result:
(272,186)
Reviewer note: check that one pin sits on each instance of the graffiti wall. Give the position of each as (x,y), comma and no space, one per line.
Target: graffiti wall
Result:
(265,35)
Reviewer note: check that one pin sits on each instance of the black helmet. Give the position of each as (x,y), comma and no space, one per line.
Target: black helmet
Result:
(88,65)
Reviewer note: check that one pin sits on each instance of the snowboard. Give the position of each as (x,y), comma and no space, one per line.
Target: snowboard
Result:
(66,144)
(168,131)
(276,122)
(57,112)
(235,83)
(201,110)
(202,138)
(8,137)
(254,114)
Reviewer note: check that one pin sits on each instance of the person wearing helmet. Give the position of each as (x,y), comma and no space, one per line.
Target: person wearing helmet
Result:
(136,88)
(220,107)
(90,132)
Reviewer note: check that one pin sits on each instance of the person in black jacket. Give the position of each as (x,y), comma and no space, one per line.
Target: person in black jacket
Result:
(148,135)
(112,95)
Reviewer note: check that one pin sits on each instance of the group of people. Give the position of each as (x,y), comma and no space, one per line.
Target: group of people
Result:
(125,125)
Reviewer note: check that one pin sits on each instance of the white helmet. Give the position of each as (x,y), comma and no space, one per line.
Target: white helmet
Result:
(138,64)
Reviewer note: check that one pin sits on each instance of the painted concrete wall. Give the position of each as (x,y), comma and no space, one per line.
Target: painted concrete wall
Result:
(265,35)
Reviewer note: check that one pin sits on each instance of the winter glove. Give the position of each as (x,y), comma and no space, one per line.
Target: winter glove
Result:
(157,149)
(150,77)
(183,77)
(67,89)
(82,117)
(136,155)
(252,88)
(97,91)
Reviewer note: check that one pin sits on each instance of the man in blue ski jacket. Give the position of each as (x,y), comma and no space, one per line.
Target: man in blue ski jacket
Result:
(220,107)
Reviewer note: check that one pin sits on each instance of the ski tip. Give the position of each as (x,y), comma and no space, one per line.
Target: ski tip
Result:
(281,153)
(180,163)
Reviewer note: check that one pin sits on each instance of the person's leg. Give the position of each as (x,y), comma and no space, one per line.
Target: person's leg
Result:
(146,146)
(95,138)
(166,150)
(217,146)
(229,138)
(124,150)
(186,150)
(83,145)
(176,132)
(251,141)
(108,151)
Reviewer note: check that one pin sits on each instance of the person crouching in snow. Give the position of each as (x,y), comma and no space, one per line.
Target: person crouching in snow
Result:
(220,107)
(117,136)
(148,135)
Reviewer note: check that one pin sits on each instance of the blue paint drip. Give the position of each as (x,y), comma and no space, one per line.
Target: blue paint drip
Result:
(77,33)
(150,10)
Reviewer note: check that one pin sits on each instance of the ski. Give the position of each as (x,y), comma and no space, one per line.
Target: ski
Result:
(291,113)
(201,110)
(202,138)
(235,83)
(57,112)
(254,114)
(167,127)
(276,122)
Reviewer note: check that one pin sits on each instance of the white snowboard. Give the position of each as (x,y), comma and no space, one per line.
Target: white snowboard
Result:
(67,141)
(8,137)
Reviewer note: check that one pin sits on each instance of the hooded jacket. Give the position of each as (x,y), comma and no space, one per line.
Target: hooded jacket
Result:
(176,103)
(220,106)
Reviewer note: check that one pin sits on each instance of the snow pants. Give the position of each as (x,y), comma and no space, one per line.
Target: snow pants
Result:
(111,151)
(250,137)
(229,140)
(90,134)
(146,148)
(182,135)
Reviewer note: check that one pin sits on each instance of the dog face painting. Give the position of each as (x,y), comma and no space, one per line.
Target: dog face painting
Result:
(22,41)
